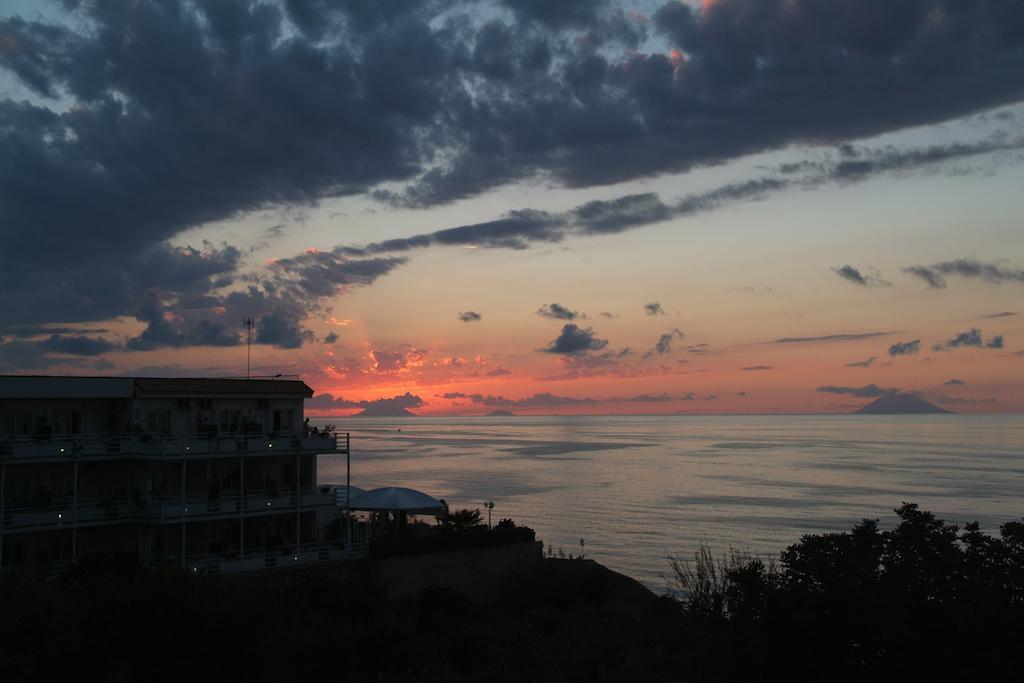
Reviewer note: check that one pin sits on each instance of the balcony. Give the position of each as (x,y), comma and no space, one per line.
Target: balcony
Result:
(60,512)
(254,559)
(59,447)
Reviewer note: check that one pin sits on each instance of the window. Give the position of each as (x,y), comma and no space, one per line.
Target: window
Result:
(228,420)
(158,421)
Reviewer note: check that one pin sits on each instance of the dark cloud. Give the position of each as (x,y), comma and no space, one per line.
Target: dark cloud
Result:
(331,338)
(654,309)
(283,330)
(609,315)
(176,114)
(558,312)
(574,340)
(322,274)
(643,398)
(830,338)
(954,382)
(498,372)
(163,329)
(753,368)
(970,338)
(620,214)
(859,163)
(935,275)
(851,274)
(868,391)
(910,348)
(1004,314)
(77,345)
(327,401)
(929,275)
(469,316)
(20,354)
(866,363)
(102,365)
(664,344)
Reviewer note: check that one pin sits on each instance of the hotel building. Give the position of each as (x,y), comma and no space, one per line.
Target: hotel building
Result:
(213,475)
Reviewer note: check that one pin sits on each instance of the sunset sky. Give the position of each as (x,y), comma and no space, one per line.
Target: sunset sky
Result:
(548,208)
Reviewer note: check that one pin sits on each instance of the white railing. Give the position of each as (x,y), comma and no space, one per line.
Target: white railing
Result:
(173,445)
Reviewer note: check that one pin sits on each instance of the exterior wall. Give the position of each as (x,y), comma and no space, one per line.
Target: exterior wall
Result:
(43,417)
(82,476)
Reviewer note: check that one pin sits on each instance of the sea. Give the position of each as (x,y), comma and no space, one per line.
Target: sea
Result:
(633,491)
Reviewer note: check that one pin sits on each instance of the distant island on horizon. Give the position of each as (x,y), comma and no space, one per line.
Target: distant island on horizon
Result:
(901,404)
(500,413)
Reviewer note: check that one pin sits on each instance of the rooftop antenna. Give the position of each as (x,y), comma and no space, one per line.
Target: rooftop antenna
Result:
(249,324)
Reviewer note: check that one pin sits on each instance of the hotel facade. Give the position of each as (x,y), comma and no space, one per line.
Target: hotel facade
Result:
(213,475)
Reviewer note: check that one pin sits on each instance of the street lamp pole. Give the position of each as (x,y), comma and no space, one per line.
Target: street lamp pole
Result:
(489,504)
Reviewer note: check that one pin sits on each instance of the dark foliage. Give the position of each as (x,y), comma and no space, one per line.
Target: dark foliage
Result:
(922,601)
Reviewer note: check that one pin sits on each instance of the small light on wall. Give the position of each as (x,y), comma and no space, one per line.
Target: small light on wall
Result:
(60,515)
(62,450)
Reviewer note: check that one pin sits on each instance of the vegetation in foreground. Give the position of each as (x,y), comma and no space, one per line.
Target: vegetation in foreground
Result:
(922,600)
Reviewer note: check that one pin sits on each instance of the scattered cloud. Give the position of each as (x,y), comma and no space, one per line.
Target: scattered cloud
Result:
(935,275)
(664,343)
(328,401)
(830,338)
(868,391)
(469,316)
(954,382)
(575,340)
(851,274)
(654,308)
(866,363)
(756,368)
(910,348)
(1004,314)
(331,338)
(498,372)
(970,338)
(558,312)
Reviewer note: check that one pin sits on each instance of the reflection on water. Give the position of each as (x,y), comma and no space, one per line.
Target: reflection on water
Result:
(640,488)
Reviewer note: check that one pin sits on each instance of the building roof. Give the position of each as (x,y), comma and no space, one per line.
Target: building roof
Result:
(154,386)
(56,387)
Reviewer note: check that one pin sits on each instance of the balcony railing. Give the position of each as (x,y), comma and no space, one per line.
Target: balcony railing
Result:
(60,512)
(265,558)
(59,447)
(253,559)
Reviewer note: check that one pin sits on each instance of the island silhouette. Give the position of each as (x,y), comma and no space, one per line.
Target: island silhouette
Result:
(900,404)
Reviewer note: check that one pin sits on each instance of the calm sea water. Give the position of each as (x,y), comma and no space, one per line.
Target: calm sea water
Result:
(638,489)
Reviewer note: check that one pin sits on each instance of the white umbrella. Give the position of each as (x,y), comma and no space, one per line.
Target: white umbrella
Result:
(397,499)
